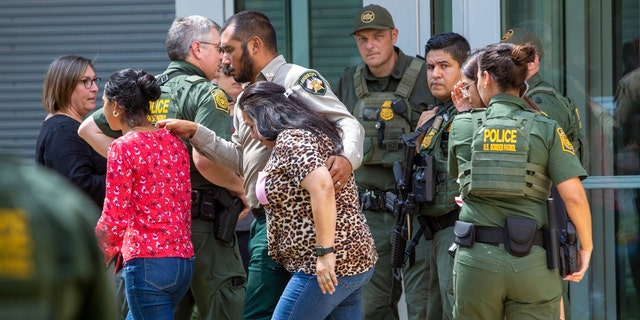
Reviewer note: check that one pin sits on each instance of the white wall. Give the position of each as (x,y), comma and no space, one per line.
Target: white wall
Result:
(217,10)
(412,20)
(477,20)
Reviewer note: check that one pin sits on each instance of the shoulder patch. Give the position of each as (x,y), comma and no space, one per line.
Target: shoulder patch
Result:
(220,100)
(566,144)
(311,82)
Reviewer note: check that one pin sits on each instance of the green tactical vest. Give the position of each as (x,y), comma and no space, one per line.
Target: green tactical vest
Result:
(573,132)
(447,187)
(385,116)
(172,96)
(175,87)
(499,164)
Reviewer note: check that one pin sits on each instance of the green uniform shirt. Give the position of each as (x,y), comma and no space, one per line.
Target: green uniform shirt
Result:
(50,263)
(548,148)
(550,105)
(204,103)
(375,176)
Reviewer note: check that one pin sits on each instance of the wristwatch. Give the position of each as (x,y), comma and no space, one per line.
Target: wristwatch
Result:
(320,251)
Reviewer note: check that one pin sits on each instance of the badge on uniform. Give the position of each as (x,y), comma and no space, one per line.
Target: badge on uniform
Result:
(386,112)
(220,100)
(311,82)
(566,144)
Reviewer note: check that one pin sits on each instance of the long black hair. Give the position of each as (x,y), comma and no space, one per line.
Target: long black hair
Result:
(274,109)
(133,90)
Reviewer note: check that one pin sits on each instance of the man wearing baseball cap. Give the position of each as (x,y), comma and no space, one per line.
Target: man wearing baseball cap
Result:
(387,92)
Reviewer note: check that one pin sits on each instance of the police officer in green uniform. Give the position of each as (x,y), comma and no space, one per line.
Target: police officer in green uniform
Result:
(387,92)
(557,107)
(50,264)
(506,159)
(445,53)
(250,51)
(218,284)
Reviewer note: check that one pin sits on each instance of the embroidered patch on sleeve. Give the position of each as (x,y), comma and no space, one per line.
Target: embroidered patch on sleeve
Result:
(566,144)
(220,100)
(311,82)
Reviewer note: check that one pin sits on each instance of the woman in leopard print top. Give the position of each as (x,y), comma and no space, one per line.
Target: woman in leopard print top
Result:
(304,212)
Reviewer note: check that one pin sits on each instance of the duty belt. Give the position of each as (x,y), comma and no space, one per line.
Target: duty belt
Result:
(258,212)
(374,200)
(444,221)
(197,195)
(496,236)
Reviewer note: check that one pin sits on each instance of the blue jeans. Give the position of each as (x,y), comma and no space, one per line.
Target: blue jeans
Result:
(155,285)
(302,298)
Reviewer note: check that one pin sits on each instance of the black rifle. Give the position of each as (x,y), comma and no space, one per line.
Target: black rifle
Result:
(403,205)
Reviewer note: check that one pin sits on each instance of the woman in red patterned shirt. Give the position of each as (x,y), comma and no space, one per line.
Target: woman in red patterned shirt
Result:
(146,219)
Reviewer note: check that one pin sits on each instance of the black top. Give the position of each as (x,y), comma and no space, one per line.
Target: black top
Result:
(60,148)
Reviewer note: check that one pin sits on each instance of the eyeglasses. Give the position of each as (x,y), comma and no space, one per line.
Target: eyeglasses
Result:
(89,82)
(465,89)
(217,45)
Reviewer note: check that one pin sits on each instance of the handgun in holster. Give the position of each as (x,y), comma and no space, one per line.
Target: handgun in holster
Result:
(227,216)
(424,184)
(561,243)
(569,255)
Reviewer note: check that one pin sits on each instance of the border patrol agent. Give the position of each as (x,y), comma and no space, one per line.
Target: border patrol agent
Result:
(445,54)
(557,107)
(506,159)
(387,94)
(218,283)
(50,265)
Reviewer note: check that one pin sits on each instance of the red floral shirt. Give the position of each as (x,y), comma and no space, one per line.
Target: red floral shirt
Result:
(147,208)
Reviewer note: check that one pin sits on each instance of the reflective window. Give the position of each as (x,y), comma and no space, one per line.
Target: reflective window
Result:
(591,53)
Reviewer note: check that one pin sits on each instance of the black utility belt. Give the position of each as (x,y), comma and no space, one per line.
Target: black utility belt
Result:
(258,212)
(518,235)
(377,200)
(218,206)
(444,221)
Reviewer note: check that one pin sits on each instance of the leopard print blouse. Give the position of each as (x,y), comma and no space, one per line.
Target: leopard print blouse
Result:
(290,227)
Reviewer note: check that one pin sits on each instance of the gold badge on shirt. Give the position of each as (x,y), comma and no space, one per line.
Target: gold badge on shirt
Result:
(566,144)
(220,100)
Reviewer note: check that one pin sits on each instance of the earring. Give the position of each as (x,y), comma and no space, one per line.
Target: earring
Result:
(115,114)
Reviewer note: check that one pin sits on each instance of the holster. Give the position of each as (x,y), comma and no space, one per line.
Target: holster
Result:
(424,182)
(520,234)
(218,206)
(569,253)
(227,219)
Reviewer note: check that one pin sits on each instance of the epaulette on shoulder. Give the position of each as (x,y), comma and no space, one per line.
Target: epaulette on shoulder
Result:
(195,79)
